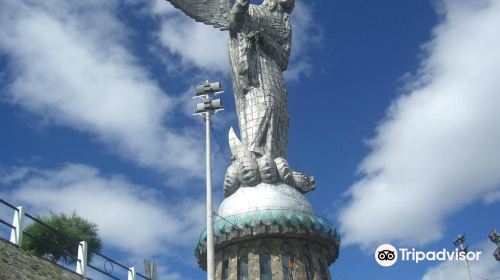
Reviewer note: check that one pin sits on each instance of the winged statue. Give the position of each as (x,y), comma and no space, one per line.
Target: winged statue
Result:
(259,49)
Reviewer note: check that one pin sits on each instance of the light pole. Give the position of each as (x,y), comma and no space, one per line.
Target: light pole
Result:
(495,238)
(459,243)
(206,109)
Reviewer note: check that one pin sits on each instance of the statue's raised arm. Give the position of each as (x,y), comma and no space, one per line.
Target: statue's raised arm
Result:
(211,12)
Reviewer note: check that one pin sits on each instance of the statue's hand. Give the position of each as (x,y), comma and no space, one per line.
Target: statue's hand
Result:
(242,3)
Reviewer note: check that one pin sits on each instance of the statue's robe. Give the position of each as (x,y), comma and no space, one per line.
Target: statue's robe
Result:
(259,52)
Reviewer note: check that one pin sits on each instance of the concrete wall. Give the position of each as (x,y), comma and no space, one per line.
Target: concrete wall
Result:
(15,264)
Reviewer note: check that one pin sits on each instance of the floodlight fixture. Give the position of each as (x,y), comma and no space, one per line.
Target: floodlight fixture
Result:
(459,241)
(216,105)
(494,237)
(208,88)
(209,106)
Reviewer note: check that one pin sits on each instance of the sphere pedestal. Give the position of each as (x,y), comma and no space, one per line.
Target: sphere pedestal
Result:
(269,232)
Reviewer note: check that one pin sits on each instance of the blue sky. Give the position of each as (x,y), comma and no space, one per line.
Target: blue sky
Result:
(393,108)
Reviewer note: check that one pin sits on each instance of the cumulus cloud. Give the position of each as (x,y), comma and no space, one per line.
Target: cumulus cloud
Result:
(152,7)
(438,149)
(197,44)
(306,35)
(70,63)
(154,226)
(486,268)
(492,197)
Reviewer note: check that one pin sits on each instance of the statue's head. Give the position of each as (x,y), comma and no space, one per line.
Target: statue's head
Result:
(267,169)
(304,183)
(248,173)
(285,6)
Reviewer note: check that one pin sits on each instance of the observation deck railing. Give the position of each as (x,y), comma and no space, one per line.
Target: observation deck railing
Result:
(106,266)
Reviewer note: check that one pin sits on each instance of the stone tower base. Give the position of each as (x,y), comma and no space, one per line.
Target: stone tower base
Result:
(275,237)
(287,256)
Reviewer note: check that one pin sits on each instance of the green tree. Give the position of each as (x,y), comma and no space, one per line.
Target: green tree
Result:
(58,245)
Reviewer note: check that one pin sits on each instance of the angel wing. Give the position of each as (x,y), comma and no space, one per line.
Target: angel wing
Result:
(212,12)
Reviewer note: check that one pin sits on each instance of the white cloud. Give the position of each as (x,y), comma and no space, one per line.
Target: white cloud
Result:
(70,64)
(486,268)
(10,176)
(296,69)
(492,197)
(197,44)
(306,35)
(151,7)
(132,218)
(158,7)
(438,150)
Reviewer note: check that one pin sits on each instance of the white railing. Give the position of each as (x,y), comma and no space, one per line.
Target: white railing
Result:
(16,237)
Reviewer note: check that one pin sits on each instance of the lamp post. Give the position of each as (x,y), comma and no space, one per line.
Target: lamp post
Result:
(206,109)
(459,243)
(495,238)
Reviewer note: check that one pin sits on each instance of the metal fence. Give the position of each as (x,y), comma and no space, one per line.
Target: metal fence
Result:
(105,268)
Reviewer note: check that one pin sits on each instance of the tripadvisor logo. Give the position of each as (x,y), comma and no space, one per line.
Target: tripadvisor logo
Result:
(387,255)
